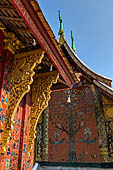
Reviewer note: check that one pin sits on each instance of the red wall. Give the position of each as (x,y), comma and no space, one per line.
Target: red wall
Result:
(16,153)
(19,140)
(72,126)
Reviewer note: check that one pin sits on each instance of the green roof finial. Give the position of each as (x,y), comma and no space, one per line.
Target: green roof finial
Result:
(61,31)
(73,42)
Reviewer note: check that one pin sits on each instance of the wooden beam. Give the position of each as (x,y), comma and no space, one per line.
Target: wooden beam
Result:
(19,29)
(11,18)
(50,45)
(7,7)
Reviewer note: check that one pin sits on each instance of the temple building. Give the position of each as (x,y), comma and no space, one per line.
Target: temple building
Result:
(54,110)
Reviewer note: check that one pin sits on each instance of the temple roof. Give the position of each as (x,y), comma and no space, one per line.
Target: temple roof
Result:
(26,20)
(15,23)
(102,82)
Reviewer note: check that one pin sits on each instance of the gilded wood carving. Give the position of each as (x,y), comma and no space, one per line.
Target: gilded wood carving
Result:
(22,77)
(40,97)
(11,41)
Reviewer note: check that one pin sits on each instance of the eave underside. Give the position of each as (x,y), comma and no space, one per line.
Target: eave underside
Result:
(13,22)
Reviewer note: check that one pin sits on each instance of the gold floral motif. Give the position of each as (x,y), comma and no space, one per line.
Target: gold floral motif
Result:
(106,101)
(2,27)
(40,97)
(108,107)
(11,41)
(21,79)
(109,113)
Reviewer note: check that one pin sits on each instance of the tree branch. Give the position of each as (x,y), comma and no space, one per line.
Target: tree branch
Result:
(63,129)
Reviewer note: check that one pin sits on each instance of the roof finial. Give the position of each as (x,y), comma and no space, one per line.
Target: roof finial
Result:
(73,42)
(61,31)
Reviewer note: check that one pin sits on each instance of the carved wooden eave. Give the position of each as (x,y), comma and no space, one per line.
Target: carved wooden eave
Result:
(33,17)
(10,42)
(40,97)
(21,79)
(84,68)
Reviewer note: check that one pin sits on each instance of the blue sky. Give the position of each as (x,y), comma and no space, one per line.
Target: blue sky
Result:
(92,24)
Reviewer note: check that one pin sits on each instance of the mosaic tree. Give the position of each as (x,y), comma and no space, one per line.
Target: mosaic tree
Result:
(72,120)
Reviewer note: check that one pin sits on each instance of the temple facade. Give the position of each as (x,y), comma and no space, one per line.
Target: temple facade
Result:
(78,121)
(54,110)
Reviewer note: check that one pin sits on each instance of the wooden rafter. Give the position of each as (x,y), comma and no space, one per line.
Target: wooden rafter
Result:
(11,18)
(5,7)
(20,29)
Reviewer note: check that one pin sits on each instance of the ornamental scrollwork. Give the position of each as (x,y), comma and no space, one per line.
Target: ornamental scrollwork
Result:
(40,97)
(12,43)
(21,79)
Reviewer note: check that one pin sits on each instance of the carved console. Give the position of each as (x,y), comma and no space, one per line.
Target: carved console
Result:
(40,97)
(11,42)
(22,77)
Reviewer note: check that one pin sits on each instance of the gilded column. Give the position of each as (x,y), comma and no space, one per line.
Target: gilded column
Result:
(40,97)
(21,78)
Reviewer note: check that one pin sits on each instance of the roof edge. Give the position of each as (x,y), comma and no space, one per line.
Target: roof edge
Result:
(82,65)
(31,12)
(104,88)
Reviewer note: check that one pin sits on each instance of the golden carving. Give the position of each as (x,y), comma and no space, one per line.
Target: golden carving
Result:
(11,41)
(61,40)
(106,101)
(40,97)
(34,4)
(2,27)
(45,135)
(108,107)
(109,113)
(21,79)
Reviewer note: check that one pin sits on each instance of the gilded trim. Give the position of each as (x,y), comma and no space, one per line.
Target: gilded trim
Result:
(22,77)
(40,97)
(11,41)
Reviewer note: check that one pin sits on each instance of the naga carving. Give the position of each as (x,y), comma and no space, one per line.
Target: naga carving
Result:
(22,77)
(40,97)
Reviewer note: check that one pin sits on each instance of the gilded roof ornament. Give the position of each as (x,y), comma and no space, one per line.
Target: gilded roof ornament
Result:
(73,42)
(61,31)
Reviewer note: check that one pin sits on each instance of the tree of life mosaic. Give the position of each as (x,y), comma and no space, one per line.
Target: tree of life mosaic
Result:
(72,126)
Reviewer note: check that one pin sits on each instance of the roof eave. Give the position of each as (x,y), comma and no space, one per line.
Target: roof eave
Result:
(80,63)
(104,88)
(33,17)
